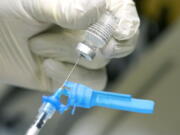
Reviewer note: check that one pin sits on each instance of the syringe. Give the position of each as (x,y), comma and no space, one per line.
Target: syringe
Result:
(46,111)
(84,97)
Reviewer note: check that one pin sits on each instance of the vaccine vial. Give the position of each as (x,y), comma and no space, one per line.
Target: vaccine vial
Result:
(97,36)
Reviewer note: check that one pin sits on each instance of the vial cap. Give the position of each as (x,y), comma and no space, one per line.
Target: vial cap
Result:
(85,51)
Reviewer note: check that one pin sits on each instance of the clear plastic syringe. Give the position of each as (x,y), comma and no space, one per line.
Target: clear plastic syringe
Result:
(45,112)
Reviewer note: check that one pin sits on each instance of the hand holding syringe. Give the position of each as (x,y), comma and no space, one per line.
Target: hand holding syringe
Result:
(97,36)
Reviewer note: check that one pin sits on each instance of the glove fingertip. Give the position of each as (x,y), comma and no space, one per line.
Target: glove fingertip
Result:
(127,28)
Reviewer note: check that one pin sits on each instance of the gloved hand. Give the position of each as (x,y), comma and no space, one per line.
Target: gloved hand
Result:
(38,40)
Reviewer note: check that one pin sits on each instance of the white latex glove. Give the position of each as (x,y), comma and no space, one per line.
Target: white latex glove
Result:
(34,53)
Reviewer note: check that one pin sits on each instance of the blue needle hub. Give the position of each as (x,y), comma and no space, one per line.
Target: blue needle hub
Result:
(84,97)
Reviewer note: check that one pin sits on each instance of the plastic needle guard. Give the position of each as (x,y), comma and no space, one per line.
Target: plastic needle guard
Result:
(82,96)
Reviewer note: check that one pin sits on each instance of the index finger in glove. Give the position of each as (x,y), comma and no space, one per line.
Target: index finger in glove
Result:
(128,19)
(61,46)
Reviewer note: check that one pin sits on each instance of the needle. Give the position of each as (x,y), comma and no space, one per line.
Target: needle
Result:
(69,74)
